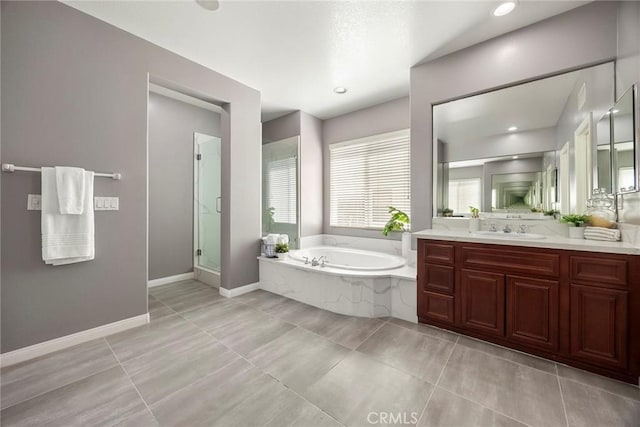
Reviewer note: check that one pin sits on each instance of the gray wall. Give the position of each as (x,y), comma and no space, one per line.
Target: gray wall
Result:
(171,127)
(387,117)
(281,128)
(77,92)
(580,37)
(311,183)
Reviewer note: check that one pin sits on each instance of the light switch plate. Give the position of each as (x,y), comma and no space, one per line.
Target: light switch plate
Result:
(34,202)
(106,203)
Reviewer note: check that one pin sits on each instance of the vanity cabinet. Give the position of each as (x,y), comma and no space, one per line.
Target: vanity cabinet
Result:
(573,307)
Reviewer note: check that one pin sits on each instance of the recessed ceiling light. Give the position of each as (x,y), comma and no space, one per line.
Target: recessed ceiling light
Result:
(512,128)
(340,90)
(504,8)
(208,4)
(514,157)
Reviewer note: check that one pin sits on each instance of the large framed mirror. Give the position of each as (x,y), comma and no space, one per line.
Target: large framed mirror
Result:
(524,149)
(623,143)
(280,189)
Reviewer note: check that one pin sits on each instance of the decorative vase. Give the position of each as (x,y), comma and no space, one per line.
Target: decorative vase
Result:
(406,244)
(576,232)
(474,224)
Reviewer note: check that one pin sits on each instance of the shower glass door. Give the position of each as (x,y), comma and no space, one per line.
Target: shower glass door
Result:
(208,201)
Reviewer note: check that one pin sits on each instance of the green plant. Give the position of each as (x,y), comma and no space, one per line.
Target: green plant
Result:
(552,212)
(447,212)
(282,248)
(575,220)
(397,222)
(475,212)
(269,221)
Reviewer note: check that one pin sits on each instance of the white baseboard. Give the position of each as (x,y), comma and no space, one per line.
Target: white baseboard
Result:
(230,293)
(37,350)
(169,279)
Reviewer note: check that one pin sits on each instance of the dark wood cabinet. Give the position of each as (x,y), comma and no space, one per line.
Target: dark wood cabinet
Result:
(532,311)
(575,307)
(482,301)
(599,325)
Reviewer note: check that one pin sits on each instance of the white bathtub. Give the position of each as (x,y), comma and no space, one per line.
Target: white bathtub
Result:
(349,259)
(353,282)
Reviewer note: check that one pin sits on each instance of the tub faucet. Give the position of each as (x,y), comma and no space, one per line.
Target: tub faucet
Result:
(493,227)
(316,261)
(507,229)
(522,229)
(306,259)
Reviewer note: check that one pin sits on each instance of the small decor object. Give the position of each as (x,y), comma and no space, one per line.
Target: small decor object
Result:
(399,221)
(474,222)
(446,212)
(282,249)
(576,225)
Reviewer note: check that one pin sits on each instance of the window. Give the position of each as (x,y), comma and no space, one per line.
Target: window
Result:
(366,177)
(464,193)
(281,185)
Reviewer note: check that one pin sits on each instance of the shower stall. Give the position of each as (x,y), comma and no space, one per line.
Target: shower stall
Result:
(207,208)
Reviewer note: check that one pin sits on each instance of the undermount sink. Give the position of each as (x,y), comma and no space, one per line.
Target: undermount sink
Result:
(511,236)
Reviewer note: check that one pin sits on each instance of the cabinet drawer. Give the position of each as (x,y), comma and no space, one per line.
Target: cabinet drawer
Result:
(436,307)
(438,278)
(511,261)
(603,271)
(437,252)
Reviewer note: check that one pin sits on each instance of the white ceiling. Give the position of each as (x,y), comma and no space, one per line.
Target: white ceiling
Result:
(296,52)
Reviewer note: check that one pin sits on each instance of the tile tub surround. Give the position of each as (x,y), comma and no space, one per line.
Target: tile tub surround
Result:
(324,370)
(364,294)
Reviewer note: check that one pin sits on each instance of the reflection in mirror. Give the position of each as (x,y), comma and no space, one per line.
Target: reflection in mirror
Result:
(280,189)
(524,184)
(624,154)
(603,153)
(541,131)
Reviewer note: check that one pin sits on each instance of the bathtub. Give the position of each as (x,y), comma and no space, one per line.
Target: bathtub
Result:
(353,282)
(349,259)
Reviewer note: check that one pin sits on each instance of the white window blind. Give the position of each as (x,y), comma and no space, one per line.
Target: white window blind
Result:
(281,189)
(464,193)
(366,177)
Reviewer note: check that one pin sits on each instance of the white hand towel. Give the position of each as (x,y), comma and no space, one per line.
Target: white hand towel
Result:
(66,239)
(70,187)
(602,234)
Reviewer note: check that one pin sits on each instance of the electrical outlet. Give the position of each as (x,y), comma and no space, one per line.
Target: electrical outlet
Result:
(34,202)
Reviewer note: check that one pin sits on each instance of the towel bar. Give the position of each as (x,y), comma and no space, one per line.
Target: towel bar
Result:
(9,167)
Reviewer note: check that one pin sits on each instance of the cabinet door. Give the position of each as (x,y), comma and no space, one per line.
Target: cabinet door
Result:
(482,301)
(599,325)
(532,312)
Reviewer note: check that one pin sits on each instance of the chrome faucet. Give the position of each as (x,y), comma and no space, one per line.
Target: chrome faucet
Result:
(522,229)
(306,259)
(507,228)
(493,227)
(316,261)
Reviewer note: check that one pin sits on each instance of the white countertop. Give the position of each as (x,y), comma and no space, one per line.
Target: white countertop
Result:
(553,242)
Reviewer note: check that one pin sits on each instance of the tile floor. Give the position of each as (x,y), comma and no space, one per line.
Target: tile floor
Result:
(264,360)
